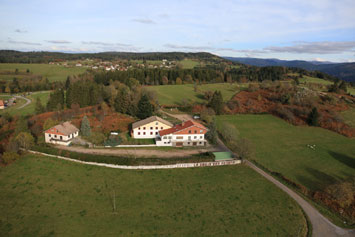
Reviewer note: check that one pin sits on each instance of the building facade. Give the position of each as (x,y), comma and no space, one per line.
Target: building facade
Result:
(188,133)
(61,134)
(2,104)
(149,127)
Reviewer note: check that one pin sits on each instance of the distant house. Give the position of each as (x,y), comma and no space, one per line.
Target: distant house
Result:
(2,104)
(189,133)
(149,127)
(61,134)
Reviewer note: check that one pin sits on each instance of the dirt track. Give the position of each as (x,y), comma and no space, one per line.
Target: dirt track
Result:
(138,152)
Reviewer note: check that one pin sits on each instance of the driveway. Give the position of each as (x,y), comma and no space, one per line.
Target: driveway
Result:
(28,101)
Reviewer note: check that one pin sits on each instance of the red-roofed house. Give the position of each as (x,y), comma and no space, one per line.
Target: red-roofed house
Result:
(189,133)
(2,105)
(61,134)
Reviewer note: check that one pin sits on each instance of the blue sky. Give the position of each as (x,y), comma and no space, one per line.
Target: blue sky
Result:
(292,29)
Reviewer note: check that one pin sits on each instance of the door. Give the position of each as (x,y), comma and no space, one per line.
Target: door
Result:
(179,144)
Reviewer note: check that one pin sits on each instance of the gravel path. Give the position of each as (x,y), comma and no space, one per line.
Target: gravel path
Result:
(137,152)
(28,101)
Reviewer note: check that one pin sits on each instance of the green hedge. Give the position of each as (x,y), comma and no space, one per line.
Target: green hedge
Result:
(118,160)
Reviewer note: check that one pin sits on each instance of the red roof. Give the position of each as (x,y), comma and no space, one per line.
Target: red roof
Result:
(180,127)
(1,103)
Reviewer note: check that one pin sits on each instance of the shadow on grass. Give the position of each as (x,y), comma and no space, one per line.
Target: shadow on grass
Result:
(317,180)
(346,160)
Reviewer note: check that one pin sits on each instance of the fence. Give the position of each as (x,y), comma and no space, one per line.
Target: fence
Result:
(146,167)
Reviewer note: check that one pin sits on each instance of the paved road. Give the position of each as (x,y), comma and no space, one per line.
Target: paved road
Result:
(321,226)
(28,101)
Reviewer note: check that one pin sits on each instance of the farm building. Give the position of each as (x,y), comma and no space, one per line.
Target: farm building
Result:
(149,127)
(189,133)
(61,134)
(2,104)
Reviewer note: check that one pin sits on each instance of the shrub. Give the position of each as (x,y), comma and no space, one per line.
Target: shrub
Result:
(9,157)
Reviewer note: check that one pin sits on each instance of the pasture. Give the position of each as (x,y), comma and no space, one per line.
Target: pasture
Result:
(44,196)
(178,94)
(52,72)
(284,148)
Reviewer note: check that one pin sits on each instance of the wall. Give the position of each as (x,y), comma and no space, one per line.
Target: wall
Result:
(148,130)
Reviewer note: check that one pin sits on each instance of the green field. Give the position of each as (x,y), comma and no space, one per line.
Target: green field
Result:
(52,72)
(314,80)
(349,117)
(45,196)
(29,109)
(282,147)
(189,63)
(176,94)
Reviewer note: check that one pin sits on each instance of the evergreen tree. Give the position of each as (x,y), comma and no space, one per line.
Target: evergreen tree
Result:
(67,83)
(145,108)
(85,127)
(122,101)
(313,117)
(216,103)
(211,135)
(39,108)
(56,100)
(21,125)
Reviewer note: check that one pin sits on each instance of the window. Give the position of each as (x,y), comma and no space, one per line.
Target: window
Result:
(161,127)
(164,137)
(156,123)
(200,143)
(61,138)
(189,131)
(151,128)
(143,128)
(139,128)
(169,137)
(49,135)
(188,143)
(201,131)
(139,133)
(55,136)
(179,137)
(195,131)
(156,128)
(151,133)
(143,133)
(201,137)
(195,137)
(189,137)
(156,133)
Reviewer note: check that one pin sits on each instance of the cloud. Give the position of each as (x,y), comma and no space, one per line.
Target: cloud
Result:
(22,42)
(143,20)
(186,47)
(20,31)
(58,41)
(325,47)
(105,46)
(105,43)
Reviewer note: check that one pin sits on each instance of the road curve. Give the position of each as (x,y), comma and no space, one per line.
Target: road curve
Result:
(28,101)
(321,226)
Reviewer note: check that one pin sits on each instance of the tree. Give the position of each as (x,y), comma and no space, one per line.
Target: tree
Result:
(49,123)
(165,80)
(211,135)
(313,117)
(39,108)
(21,125)
(56,100)
(28,70)
(216,102)
(178,81)
(85,127)
(9,157)
(145,108)
(122,101)
(25,140)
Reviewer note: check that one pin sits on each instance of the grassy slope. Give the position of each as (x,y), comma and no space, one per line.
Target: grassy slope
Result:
(349,117)
(52,72)
(282,147)
(175,94)
(29,109)
(189,63)
(44,196)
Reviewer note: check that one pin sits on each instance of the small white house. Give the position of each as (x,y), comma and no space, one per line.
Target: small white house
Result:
(149,127)
(61,134)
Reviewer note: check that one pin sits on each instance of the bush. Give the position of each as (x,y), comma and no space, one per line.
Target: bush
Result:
(284,113)
(9,157)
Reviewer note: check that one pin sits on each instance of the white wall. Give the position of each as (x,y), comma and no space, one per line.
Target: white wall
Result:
(62,140)
(168,140)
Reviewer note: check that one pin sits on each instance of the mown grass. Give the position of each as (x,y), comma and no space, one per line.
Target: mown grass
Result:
(177,94)
(189,63)
(45,196)
(52,72)
(283,148)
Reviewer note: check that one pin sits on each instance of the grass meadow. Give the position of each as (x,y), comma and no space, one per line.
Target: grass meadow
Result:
(283,148)
(176,94)
(52,72)
(45,196)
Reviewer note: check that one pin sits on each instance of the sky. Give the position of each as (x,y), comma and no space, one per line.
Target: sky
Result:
(321,30)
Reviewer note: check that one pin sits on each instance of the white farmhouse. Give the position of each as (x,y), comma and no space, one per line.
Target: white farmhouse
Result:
(61,134)
(149,127)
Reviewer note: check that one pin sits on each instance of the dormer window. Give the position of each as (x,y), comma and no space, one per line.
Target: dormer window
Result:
(156,123)
(189,131)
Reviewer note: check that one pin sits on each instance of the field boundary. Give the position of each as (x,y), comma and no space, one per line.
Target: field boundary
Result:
(145,167)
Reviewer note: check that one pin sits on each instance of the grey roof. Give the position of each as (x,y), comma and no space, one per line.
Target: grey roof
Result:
(149,120)
(65,128)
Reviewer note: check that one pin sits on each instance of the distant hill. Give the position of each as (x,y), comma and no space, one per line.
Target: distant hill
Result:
(12,56)
(344,71)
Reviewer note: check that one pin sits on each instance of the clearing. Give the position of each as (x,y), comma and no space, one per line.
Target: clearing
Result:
(40,196)
(52,72)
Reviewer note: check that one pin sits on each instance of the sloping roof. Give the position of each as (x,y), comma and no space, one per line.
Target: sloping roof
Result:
(65,129)
(1,103)
(149,120)
(180,127)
